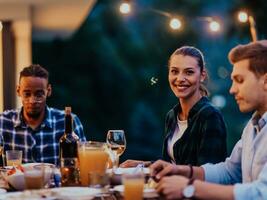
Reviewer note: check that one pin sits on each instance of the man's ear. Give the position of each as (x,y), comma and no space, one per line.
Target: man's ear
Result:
(17,90)
(49,90)
(265,81)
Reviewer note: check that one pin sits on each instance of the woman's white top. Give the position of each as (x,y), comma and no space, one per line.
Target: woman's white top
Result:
(179,131)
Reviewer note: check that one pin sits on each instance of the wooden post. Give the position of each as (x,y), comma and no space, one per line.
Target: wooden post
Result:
(252,26)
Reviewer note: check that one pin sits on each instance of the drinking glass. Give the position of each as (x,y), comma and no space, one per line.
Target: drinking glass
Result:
(133,186)
(48,172)
(13,157)
(100,181)
(34,177)
(116,141)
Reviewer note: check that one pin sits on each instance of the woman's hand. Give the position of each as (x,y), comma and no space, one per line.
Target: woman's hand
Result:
(131,163)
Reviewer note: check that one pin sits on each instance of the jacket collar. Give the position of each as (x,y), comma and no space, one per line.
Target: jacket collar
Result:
(177,108)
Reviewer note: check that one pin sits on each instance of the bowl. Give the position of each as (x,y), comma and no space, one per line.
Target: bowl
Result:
(17,180)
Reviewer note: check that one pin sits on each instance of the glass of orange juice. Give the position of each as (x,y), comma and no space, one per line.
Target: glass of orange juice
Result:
(13,157)
(93,158)
(34,177)
(133,186)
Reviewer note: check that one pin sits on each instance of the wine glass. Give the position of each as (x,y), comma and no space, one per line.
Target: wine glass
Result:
(116,141)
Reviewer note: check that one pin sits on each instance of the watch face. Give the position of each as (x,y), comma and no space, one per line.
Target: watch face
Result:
(189,191)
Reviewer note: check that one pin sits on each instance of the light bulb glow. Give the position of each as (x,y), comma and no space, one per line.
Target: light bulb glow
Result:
(214,26)
(1,26)
(125,8)
(175,23)
(243,17)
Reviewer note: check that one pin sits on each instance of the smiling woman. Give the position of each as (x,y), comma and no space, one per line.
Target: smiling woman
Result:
(195,130)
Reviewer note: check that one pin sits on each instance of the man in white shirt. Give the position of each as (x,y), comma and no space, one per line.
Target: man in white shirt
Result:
(244,174)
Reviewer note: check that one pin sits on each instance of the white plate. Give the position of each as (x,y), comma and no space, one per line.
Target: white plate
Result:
(28,195)
(148,192)
(72,193)
(129,170)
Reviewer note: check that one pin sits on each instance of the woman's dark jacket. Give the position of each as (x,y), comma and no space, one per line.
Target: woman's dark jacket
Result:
(204,140)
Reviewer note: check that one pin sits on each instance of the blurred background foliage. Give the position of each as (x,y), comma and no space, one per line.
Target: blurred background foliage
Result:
(106,70)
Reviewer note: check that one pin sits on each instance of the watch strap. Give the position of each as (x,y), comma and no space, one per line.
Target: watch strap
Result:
(191,181)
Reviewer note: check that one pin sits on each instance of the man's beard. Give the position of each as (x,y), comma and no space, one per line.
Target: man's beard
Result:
(34,115)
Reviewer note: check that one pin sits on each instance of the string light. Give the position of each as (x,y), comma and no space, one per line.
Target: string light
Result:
(245,17)
(214,26)
(175,23)
(242,16)
(125,8)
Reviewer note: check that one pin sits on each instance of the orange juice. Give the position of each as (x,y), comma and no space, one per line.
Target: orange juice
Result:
(13,157)
(13,162)
(34,179)
(91,159)
(133,188)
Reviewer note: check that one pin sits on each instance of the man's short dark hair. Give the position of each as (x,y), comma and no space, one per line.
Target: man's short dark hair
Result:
(34,70)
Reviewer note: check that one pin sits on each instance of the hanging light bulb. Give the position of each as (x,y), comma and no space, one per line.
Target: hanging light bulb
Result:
(245,17)
(214,26)
(242,16)
(125,8)
(175,23)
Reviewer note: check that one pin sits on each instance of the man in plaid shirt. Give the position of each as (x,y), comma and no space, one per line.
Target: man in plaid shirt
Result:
(35,128)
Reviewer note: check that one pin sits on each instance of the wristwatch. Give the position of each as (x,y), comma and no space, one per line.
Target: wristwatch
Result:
(189,191)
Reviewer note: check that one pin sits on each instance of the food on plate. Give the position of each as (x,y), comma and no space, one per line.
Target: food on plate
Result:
(15,169)
(150,184)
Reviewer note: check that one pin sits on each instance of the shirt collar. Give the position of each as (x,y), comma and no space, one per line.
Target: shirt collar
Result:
(19,122)
(259,121)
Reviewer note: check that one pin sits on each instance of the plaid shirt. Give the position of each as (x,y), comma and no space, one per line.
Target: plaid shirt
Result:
(41,144)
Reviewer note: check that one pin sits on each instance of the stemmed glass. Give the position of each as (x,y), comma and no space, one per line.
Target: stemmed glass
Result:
(116,141)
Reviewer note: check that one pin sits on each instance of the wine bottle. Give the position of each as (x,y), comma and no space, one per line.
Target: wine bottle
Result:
(68,147)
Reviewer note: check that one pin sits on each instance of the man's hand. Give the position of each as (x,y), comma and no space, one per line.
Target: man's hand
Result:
(171,187)
(162,168)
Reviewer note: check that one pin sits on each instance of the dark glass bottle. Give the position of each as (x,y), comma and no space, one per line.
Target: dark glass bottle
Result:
(68,151)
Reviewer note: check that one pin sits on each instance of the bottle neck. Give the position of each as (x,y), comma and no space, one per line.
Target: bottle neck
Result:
(68,124)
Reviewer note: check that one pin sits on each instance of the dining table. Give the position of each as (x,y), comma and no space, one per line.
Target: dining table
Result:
(48,194)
